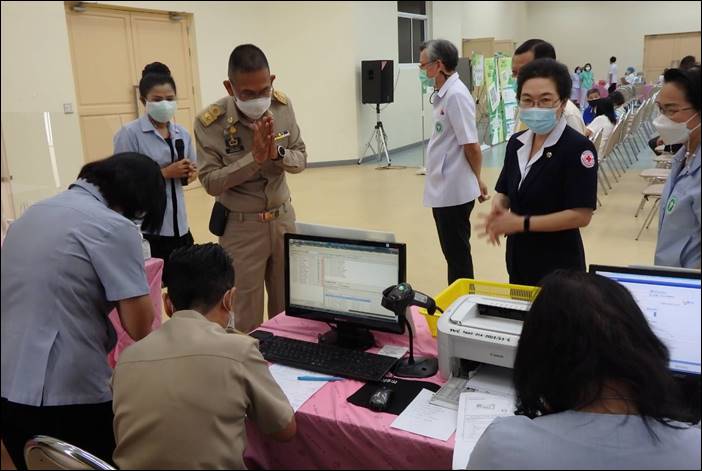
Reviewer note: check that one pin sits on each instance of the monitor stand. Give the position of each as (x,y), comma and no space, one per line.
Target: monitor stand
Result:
(355,338)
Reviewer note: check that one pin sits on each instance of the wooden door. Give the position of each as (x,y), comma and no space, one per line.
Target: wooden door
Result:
(484,46)
(505,46)
(103,70)
(665,50)
(109,49)
(158,38)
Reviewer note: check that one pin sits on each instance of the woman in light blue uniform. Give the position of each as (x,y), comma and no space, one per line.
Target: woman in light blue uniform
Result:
(679,123)
(66,263)
(157,136)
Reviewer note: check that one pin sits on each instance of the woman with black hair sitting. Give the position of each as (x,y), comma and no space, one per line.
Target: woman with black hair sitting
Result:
(605,119)
(593,387)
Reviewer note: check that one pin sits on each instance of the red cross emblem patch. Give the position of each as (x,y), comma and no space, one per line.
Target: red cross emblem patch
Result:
(587,158)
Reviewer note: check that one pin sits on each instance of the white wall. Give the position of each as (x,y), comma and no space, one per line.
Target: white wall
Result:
(594,31)
(499,20)
(37,77)
(315,48)
(377,39)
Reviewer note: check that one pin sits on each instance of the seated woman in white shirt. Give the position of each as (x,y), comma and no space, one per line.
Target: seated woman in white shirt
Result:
(593,388)
(618,102)
(604,121)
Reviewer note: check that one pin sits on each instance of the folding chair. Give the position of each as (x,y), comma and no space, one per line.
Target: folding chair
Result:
(42,452)
(655,193)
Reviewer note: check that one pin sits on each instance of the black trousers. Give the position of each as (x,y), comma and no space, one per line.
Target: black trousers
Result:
(163,246)
(453,226)
(612,87)
(87,426)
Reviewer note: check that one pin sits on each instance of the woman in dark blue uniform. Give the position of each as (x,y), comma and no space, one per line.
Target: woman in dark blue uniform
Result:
(547,189)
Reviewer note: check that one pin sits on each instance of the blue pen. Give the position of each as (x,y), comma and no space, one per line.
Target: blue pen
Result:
(319,378)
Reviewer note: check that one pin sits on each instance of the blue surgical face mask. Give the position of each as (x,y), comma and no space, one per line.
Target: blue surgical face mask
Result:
(539,120)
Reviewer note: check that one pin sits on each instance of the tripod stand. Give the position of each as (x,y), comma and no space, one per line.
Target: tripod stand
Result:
(381,143)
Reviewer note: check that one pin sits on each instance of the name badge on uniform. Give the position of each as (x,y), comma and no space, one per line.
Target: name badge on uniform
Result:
(672,202)
(587,158)
(231,142)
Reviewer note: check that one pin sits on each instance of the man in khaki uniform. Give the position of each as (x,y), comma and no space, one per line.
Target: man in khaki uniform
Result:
(245,144)
(182,394)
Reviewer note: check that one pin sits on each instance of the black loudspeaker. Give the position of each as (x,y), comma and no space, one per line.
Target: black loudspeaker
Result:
(377,81)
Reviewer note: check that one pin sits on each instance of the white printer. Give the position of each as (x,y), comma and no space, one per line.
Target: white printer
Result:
(482,329)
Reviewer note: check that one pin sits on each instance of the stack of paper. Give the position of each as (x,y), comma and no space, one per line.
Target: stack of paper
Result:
(492,380)
(423,418)
(450,392)
(395,351)
(295,390)
(476,411)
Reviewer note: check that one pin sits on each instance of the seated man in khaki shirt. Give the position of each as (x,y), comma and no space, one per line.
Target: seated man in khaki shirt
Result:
(181,394)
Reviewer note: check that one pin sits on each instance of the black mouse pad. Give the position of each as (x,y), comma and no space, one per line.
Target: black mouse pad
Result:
(403,392)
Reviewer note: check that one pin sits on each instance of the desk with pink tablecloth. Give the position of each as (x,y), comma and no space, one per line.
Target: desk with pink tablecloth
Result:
(332,433)
(154,272)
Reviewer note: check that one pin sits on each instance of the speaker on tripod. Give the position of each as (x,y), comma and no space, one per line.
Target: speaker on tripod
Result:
(377,82)
(377,87)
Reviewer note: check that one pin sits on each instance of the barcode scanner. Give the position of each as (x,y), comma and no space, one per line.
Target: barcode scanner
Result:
(398,299)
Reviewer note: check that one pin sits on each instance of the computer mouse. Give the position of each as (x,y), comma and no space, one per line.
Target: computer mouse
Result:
(380,399)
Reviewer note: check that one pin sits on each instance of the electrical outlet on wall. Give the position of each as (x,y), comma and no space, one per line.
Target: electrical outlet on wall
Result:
(67,108)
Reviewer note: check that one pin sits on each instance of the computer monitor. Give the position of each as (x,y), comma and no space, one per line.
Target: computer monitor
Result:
(343,232)
(670,300)
(341,281)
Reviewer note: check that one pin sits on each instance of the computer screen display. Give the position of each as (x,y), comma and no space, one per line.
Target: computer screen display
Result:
(671,303)
(342,280)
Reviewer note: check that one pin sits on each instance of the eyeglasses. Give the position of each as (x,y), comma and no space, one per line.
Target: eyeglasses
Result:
(670,111)
(423,66)
(246,95)
(543,103)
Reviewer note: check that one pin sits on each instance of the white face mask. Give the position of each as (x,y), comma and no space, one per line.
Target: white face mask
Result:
(672,132)
(161,111)
(255,108)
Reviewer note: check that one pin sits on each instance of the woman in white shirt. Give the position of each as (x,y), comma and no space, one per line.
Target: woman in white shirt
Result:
(604,121)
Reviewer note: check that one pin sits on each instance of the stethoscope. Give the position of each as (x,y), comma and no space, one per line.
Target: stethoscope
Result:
(433,94)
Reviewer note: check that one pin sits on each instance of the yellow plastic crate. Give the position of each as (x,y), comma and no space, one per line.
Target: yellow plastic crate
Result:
(466,286)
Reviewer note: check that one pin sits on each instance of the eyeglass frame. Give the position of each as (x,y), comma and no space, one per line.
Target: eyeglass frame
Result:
(424,66)
(669,113)
(536,103)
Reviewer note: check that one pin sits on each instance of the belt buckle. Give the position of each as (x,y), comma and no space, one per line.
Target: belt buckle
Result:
(267,216)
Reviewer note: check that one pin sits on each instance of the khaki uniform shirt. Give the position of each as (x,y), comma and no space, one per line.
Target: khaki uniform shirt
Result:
(182,393)
(226,165)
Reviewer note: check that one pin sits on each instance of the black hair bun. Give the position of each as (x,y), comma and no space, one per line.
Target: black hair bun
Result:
(156,68)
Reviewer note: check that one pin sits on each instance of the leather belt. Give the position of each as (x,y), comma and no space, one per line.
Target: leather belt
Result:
(265,216)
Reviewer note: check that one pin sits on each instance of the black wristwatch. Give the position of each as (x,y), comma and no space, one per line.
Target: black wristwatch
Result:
(527,221)
(281,153)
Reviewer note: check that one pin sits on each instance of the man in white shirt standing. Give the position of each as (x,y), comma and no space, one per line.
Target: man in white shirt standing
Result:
(612,74)
(454,159)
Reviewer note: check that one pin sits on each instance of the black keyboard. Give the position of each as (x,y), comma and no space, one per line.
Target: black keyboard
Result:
(327,359)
